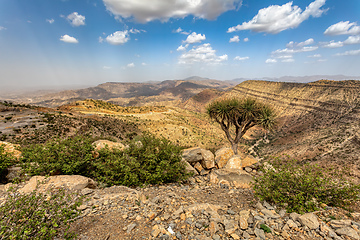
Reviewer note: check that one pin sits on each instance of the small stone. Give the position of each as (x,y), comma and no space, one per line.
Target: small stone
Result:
(86,191)
(235,236)
(155,231)
(268,206)
(248,169)
(259,206)
(231,212)
(216,237)
(130,227)
(259,233)
(270,213)
(246,235)
(243,219)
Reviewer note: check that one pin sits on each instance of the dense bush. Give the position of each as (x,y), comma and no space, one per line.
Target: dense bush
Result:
(38,215)
(73,155)
(304,188)
(149,160)
(6,160)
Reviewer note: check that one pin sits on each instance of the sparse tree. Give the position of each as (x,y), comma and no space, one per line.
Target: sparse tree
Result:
(242,114)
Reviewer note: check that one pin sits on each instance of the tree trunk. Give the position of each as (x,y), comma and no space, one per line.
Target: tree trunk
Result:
(234,148)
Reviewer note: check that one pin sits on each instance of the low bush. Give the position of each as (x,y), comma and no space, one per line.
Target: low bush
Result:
(6,160)
(304,188)
(38,215)
(149,160)
(69,156)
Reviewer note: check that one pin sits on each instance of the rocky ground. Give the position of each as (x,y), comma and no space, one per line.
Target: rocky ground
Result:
(200,210)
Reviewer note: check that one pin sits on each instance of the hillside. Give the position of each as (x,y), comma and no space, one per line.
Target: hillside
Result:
(317,121)
(127,94)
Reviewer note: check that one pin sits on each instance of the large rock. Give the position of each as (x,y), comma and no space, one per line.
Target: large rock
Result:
(222,156)
(348,231)
(100,144)
(234,163)
(11,148)
(310,220)
(208,161)
(238,178)
(192,155)
(203,156)
(189,168)
(71,182)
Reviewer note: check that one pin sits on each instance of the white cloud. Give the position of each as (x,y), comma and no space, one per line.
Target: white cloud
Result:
(130,65)
(118,37)
(332,44)
(51,21)
(76,19)
(343,28)
(271,60)
(238,58)
(294,47)
(235,39)
(2,28)
(163,10)
(180,30)
(202,54)
(182,48)
(136,31)
(246,39)
(349,53)
(275,18)
(195,38)
(352,40)
(66,38)
(288,60)
(315,56)
(101,40)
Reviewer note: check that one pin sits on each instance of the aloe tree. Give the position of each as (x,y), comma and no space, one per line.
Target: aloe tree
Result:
(242,115)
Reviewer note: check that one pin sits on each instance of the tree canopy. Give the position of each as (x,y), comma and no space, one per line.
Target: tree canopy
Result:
(242,114)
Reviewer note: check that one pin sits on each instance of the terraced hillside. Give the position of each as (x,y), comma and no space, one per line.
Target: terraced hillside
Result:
(318,121)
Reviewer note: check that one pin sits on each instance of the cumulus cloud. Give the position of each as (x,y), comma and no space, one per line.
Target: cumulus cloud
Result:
(238,58)
(163,10)
(275,18)
(182,48)
(352,40)
(271,60)
(235,39)
(76,19)
(2,28)
(295,47)
(130,65)
(246,39)
(202,54)
(343,28)
(68,39)
(331,44)
(51,21)
(118,37)
(349,53)
(195,38)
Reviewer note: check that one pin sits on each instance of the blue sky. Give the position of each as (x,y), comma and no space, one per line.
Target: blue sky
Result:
(86,42)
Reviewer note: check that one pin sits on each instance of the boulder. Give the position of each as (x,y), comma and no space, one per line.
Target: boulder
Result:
(208,161)
(71,182)
(192,155)
(189,168)
(310,220)
(100,144)
(234,163)
(11,148)
(222,156)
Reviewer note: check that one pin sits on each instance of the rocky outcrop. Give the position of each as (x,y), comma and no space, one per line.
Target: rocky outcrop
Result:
(100,144)
(11,148)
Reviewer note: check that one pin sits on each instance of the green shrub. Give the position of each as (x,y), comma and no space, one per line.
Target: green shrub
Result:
(150,160)
(6,160)
(73,155)
(304,188)
(38,215)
